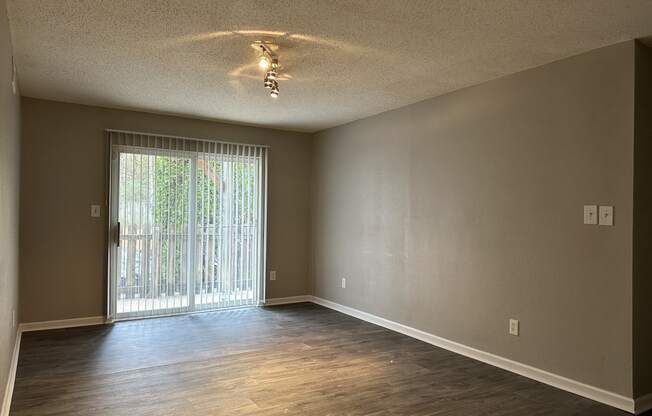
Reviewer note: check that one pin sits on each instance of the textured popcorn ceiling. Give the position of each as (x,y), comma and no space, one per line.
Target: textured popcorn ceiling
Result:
(341,60)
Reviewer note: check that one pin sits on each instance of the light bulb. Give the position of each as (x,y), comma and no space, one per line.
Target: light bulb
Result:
(263,62)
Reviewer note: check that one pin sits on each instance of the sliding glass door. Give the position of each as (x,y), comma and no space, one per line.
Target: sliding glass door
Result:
(227,246)
(187,225)
(153,261)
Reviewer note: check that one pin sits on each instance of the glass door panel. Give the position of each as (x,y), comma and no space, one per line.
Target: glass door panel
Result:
(227,232)
(153,250)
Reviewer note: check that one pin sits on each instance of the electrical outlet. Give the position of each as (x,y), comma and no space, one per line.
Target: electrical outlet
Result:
(95,211)
(513,327)
(343,283)
(272,275)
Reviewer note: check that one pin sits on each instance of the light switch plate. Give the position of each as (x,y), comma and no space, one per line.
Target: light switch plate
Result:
(95,211)
(513,327)
(606,215)
(344,283)
(590,214)
(272,275)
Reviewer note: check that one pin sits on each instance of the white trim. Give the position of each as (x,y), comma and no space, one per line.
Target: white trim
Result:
(9,388)
(290,299)
(264,163)
(573,386)
(64,323)
(643,403)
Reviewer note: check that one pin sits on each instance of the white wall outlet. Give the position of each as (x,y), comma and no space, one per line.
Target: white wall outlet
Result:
(95,211)
(272,275)
(606,215)
(344,283)
(513,327)
(590,214)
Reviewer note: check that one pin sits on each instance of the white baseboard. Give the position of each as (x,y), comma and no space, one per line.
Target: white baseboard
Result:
(9,388)
(643,403)
(290,299)
(573,386)
(63,323)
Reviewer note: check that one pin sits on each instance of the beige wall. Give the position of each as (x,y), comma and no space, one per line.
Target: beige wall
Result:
(9,191)
(63,248)
(457,213)
(643,224)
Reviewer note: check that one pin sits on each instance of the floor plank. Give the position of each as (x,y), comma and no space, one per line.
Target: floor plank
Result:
(298,359)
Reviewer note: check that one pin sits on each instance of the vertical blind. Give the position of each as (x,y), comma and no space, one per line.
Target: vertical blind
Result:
(188,219)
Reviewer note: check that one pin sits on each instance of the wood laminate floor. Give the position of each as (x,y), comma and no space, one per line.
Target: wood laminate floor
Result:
(287,360)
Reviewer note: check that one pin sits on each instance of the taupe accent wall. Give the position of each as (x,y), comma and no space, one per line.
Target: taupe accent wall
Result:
(63,249)
(457,213)
(643,224)
(9,192)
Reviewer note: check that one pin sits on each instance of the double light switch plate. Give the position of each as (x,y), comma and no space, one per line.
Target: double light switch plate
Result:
(602,215)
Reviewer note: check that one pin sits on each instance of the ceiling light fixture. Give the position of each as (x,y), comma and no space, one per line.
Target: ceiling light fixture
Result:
(264,62)
(269,61)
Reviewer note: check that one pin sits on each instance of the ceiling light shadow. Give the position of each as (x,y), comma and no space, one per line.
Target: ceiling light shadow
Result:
(284,39)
